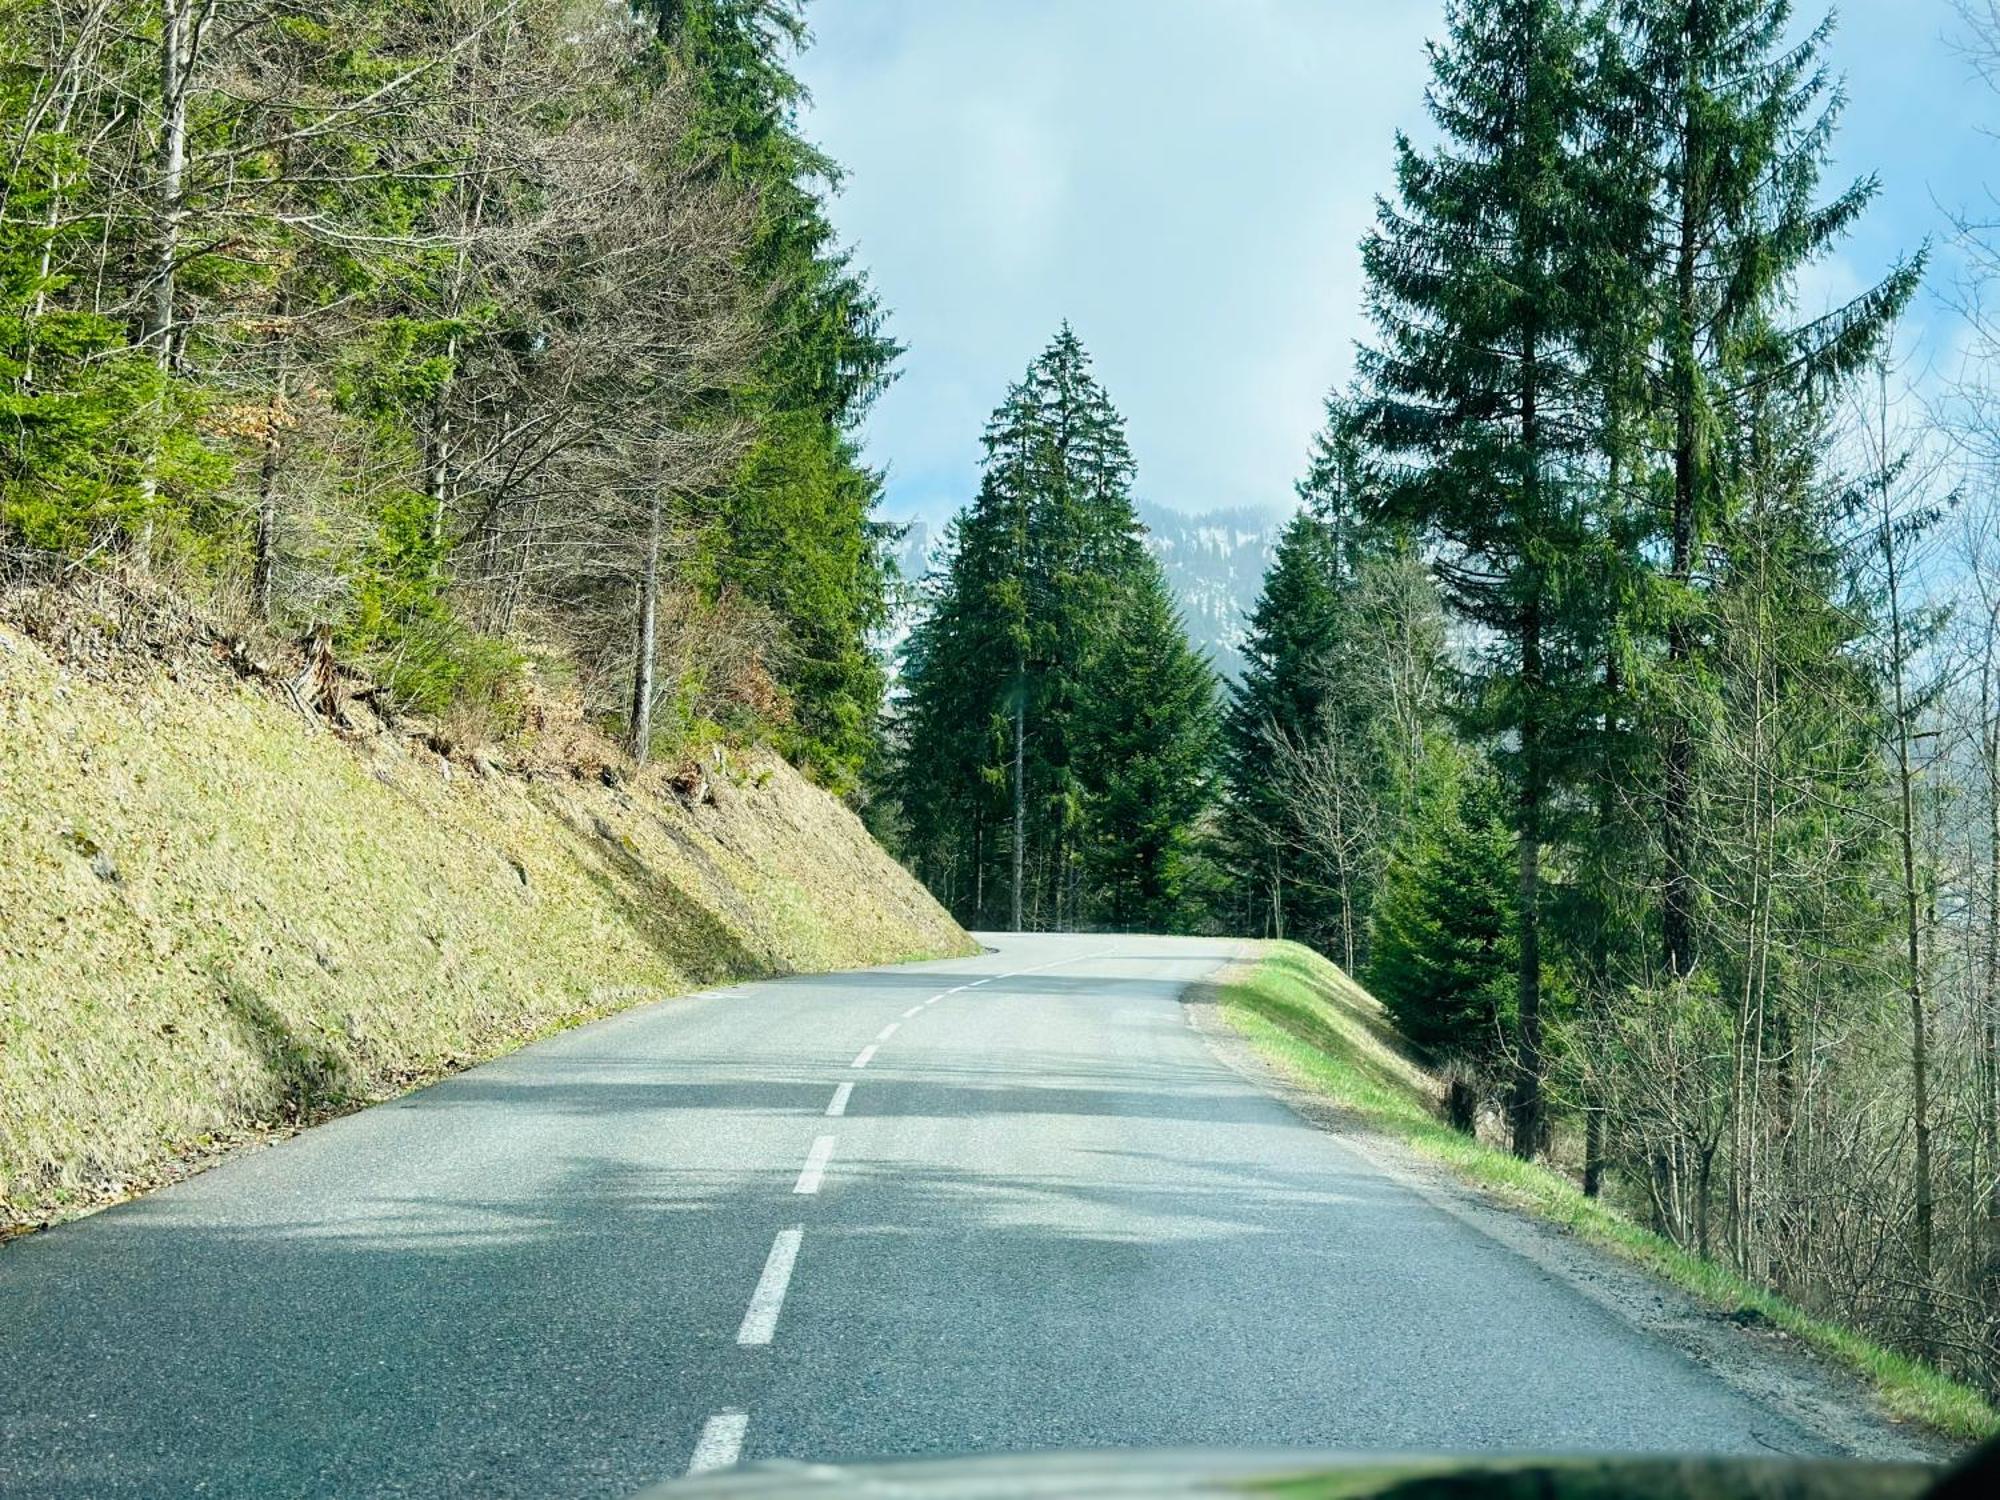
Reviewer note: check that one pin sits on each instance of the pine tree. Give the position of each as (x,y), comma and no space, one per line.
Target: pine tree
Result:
(1293,630)
(1481,297)
(1327,731)
(1740,122)
(793,533)
(1445,956)
(1149,741)
(1044,560)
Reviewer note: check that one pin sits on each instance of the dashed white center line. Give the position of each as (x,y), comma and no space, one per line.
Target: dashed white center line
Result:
(914,1009)
(887,1031)
(720,1443)
(815,1167)
(864,1057)
(761,1321)
(840,1097)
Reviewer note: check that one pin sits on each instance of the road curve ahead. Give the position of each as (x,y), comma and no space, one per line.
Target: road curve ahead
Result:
(1007,1203)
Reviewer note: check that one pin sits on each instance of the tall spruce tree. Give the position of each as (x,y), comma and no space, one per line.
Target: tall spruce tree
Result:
(1149,737)
(1326,732)
(1294,628)
(1057,732)
(1740,120)
(1044,561)
(1480,294)
(1444,960)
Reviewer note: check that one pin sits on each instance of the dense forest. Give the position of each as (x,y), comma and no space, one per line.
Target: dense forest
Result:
(1623,703)
(461,335)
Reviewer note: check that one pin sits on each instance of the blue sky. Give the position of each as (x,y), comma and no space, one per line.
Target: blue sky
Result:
(1187,181)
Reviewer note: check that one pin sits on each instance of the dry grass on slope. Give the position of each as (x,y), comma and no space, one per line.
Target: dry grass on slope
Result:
(214,923)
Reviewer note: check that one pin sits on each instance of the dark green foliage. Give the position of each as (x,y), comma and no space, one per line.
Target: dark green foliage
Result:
(792,530)
(1149,742)
(1736,119)
(454,322)
(407,632)
(1293,631)
(1046,627)
(1340,698)
(1445,956)
(1481,393)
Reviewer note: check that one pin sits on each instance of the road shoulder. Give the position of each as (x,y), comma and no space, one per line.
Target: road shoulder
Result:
(1764,1363)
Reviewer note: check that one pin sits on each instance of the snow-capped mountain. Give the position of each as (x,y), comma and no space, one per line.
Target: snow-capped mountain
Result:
(1215,564)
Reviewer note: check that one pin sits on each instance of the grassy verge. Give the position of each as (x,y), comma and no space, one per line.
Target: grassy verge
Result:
(1327,1033)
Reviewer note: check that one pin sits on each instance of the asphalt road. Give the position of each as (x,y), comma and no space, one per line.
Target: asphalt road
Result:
(1007,1203)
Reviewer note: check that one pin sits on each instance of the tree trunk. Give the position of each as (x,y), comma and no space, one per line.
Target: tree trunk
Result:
(156,330)
(1989,1031)
(1677,809)
(979,872)
(264,564)
(649,609)
(1913,980)
(177,26)
(1529,1111)
(1599,994)
(1530,1123)
(1020,787)
(1990,1078)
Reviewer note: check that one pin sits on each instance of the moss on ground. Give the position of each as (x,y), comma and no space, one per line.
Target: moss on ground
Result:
(215,923)
(1325,1032)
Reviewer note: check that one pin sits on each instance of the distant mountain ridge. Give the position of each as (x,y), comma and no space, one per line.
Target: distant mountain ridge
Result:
(1214,562)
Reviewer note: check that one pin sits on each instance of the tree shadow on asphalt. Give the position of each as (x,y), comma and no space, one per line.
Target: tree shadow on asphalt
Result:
(508,1324)
(566,1340)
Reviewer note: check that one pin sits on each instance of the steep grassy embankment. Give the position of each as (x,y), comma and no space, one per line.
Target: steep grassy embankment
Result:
(215,922)
(1329,1035)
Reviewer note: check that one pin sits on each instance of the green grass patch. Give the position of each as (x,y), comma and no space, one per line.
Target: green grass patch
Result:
(1327,1033)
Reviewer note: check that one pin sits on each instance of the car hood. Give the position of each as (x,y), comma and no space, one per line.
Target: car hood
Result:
(1297,1476)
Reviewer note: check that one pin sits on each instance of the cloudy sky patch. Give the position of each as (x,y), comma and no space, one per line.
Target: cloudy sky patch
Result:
(1187,181)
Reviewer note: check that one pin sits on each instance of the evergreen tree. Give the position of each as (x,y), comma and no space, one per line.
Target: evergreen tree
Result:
(1740,120)
(1293,630)
(1001,672)
(1149,741)
(1479,390)
(1445,955)
(1334,716)
(793,532)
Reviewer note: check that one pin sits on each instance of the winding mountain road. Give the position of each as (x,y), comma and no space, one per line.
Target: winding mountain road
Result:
(1007,1203)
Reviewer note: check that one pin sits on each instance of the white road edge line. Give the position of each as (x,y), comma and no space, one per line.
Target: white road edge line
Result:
(840,1098)
(864,1057)
(815,1167)
(761,1321)
(888,1031)
(720,1443)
